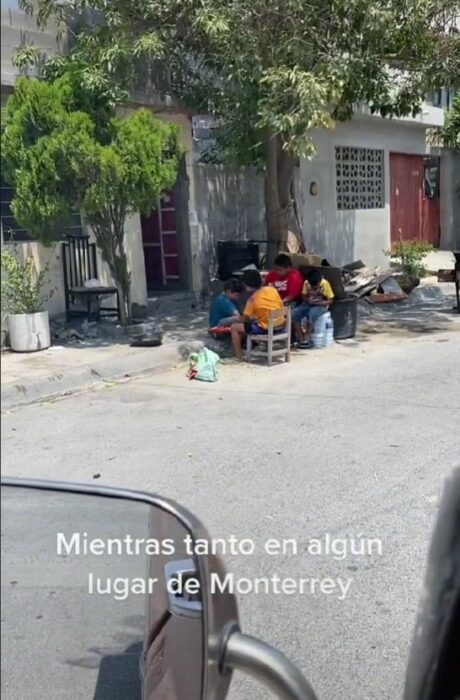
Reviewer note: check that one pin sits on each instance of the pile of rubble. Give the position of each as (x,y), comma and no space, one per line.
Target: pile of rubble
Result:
(377,286)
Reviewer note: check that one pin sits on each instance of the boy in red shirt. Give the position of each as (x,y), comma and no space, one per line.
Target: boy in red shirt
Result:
(286,279)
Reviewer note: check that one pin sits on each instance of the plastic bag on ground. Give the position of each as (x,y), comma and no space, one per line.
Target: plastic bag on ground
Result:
(203,365)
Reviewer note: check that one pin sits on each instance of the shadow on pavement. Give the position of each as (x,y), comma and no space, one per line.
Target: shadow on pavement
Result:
(119,675)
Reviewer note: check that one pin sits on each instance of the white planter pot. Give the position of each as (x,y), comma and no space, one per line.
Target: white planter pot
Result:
(29,332)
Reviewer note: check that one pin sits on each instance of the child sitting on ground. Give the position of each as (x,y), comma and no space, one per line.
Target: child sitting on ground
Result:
(317,296)
(223,311)
(286,279)
(256,314)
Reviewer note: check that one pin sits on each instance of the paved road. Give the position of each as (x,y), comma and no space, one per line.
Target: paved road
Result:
(355,443)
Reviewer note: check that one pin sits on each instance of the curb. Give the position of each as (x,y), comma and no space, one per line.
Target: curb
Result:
(79,379)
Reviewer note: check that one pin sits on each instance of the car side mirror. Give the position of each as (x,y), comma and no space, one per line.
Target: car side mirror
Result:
(120,580)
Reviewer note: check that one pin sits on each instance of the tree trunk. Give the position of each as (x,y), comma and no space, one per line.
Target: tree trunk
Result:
(280,203)
(125,316)
(272,202)
(123,280)
(110,239)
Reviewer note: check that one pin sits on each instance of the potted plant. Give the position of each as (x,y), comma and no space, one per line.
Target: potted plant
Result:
(410,255)
(23,300)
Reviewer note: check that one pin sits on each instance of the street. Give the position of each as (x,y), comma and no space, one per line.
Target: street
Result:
(348,443)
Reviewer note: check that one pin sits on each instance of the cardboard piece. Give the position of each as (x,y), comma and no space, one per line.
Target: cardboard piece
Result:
(366,281)
(306,260)
(363,290)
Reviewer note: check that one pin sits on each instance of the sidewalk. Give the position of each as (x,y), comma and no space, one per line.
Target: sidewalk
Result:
(439,260)
(60,370)
(65,369)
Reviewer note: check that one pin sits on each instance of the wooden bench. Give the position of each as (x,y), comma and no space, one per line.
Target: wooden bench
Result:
(272,336)
(80,265)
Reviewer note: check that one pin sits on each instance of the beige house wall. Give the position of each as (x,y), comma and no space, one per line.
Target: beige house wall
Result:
(18,29)
(52,256)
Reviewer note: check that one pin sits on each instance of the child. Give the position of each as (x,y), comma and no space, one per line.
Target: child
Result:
(223,310)
(317,296)
(256,313)
(286,279)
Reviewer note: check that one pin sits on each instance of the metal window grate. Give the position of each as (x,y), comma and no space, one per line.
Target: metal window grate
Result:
(12,231)
(359,178)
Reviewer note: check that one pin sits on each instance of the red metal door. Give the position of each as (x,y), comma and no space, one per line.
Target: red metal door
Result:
(413,214)
(160,239)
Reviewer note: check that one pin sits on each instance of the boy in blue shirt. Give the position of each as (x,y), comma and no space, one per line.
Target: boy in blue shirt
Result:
(223,310)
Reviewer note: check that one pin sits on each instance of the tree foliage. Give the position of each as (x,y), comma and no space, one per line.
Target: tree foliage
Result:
(65,150)
(270,71)
(451,131)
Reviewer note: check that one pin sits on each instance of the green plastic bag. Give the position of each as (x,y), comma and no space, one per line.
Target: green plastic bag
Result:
(202,365)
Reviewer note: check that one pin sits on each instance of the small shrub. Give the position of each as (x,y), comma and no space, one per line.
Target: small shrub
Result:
(22,286)
(410,255)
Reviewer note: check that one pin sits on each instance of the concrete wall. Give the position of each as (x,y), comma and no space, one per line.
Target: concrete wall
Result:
(429,116)
(53,256)
(19,29)
(189,236)
(229,205)
(450,200)
(343,236)
(189,233)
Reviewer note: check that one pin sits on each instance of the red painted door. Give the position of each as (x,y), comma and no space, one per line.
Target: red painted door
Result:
(414,198)
(160,240)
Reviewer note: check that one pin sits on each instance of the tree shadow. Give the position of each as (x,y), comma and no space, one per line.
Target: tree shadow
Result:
(405,318)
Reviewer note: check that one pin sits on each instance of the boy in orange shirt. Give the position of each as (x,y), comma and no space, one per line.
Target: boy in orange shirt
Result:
(256,314)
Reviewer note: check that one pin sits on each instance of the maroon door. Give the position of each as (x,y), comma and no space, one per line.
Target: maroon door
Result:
(160,239)
(414,198)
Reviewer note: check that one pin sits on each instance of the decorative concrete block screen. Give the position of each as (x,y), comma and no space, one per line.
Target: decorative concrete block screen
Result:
(359,178)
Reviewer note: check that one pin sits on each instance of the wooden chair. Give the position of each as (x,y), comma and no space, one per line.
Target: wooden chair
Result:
(273,336)
(80,265)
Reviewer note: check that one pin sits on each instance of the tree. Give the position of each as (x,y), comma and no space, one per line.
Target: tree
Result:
(270,70)
(64,149)
(451,131)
